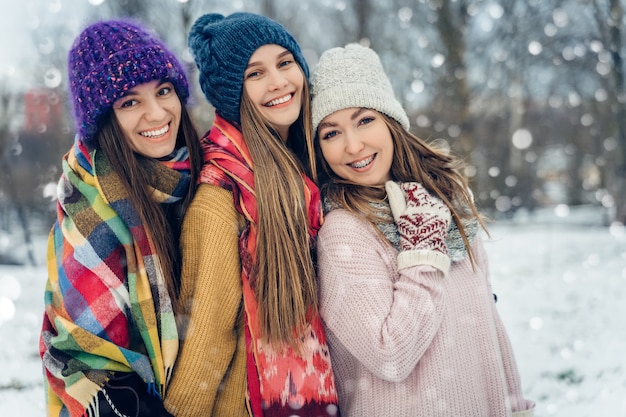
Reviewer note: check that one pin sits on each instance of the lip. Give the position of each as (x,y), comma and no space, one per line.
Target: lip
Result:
(362,164)
(158,137)
(288,98)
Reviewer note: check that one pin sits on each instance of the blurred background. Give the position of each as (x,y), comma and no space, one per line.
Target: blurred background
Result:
(531,93)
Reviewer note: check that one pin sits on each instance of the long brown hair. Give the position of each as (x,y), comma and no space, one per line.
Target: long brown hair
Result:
(413,160)
(131,168)
(284,272)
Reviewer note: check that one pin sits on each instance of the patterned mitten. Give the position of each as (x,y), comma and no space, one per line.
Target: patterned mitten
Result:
(422,222)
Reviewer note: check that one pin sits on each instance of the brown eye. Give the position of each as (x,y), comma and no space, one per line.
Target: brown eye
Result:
(164,91)
(128,103)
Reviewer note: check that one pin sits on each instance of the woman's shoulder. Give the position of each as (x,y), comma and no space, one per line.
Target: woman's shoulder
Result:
(343,224)
(342,216)
(212,200)
(215,193)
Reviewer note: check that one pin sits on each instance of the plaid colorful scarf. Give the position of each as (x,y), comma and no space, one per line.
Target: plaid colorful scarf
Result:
(279,383)
(106,305)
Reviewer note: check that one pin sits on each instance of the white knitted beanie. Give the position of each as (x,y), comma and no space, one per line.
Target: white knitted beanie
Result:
(352,77)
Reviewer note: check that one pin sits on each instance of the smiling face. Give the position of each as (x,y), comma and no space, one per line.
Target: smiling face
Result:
(149,116)
(273,82)
(357,145)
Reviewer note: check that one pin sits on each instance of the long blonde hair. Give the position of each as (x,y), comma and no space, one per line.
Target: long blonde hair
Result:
(413,160)
(284,271)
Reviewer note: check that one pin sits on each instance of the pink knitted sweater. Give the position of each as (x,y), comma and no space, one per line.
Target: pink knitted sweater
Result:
(412,342)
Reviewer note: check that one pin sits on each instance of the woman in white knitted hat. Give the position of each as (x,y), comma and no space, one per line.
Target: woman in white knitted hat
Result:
(405,293)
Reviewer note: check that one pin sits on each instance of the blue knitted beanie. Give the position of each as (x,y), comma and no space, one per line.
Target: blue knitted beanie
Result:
(107,60)
(222,46)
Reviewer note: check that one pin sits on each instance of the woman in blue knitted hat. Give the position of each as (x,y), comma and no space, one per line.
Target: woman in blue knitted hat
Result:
(109,338)
(404,281)
(254,343)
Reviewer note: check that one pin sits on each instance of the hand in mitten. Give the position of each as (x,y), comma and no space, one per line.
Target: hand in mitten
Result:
(422,222)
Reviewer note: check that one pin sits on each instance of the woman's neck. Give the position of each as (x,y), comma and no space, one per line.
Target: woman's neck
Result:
(283,133)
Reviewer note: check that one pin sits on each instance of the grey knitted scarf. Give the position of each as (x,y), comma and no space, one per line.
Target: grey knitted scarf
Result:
(456,247)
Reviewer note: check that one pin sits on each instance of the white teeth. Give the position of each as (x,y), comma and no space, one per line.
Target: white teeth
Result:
(155,133)
(363,163)
(279,101)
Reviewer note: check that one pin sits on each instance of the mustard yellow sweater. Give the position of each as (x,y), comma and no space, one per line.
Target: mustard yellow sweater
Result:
(209,378)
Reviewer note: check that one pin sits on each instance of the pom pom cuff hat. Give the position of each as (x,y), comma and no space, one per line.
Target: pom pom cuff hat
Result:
(110,58)
(352,76)
(222,46)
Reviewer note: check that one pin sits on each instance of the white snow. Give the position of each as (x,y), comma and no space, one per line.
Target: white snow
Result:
(561,293)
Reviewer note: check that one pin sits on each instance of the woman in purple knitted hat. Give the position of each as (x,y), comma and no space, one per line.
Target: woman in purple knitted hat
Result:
(109,338)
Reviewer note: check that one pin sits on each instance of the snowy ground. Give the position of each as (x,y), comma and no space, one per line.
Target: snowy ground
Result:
(561,292)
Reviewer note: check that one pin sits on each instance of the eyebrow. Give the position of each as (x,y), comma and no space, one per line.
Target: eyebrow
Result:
(133,92)
(358,113)
(279,56)
(354,115)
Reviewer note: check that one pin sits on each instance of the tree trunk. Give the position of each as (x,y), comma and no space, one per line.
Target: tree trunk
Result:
(615,47)
(451,33)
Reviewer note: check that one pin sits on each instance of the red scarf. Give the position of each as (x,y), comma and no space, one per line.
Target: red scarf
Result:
(279,383)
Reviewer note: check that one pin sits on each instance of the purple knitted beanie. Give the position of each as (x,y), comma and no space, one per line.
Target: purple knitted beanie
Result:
(107,60)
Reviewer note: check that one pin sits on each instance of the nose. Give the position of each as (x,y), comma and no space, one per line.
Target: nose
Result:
(353,143)
(277,80)
(154,111)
